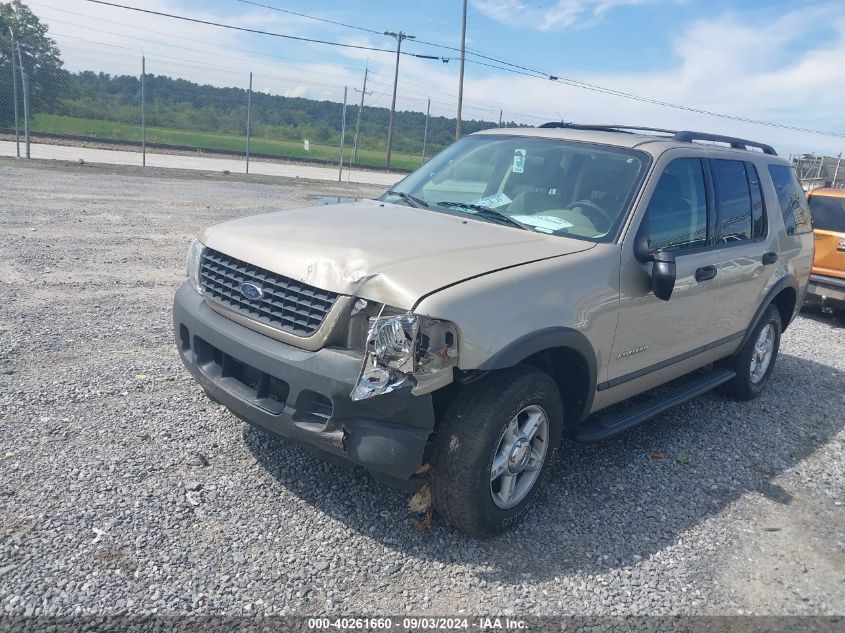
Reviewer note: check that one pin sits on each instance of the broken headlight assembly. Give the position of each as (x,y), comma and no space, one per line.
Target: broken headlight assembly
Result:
(406,349)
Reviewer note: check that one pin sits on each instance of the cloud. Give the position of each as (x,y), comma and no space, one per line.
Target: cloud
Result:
(550,16)
(786,69)
(783,67)
(112,40)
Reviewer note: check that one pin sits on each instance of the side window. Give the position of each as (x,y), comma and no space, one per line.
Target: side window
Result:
(676,217)
(733,201)
(793,202)
(758,207)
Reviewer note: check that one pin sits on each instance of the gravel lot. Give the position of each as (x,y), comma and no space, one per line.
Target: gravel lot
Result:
(125,490)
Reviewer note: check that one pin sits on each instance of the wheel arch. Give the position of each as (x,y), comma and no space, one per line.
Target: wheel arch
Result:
(566,355)
(785,302)
(783,295)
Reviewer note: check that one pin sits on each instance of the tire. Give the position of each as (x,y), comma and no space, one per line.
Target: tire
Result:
(750,380)
(477,425)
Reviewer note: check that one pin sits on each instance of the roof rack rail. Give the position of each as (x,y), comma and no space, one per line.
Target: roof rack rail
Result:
(685,136)
(603,127)
(736,143)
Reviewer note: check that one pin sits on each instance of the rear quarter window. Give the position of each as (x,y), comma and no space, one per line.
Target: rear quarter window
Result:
(793,202)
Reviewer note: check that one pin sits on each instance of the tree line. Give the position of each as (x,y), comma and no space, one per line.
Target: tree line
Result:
(182,104)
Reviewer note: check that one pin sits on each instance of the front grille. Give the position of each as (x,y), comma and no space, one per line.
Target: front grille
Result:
(288,305)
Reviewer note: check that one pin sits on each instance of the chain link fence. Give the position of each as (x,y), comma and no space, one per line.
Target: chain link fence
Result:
(170,112)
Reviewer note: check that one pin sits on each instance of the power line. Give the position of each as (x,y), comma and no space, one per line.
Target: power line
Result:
(198,64)
(310,17)
(627,95)
(425,91)
(170,35)
(257,31)
(539,74)
(381,33)
(338,76)
(505,66)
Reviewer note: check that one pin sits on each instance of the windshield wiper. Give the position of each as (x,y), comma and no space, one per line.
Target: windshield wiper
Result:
(411,200)
(487,212)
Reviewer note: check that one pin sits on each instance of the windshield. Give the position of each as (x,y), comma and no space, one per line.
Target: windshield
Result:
(828,213)
(538,184)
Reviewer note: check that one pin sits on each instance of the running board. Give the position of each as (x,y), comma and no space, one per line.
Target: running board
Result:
(598,428)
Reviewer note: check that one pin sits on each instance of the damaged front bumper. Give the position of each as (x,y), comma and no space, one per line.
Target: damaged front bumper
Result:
(303,395)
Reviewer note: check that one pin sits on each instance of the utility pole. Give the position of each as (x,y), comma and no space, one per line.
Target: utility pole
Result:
(399,37)
(15,91)
(425,131)
(461,80)
(500,118)
(25,82)
(143,114)
(358,119)
(342,134)
(248,118)
(25,87)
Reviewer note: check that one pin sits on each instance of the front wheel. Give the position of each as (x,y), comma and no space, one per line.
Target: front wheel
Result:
(755,360)
(494,449)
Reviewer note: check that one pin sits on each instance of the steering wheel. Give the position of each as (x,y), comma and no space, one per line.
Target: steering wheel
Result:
(589,204)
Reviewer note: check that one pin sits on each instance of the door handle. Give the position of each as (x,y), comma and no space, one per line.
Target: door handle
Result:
(705,272)
(769,258)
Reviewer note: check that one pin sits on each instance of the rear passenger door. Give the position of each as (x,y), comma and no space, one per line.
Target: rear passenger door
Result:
(743,253)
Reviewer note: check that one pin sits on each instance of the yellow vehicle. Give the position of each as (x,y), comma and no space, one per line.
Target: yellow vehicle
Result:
(827,280)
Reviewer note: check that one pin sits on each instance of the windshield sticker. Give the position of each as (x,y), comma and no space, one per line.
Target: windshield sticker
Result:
(544,222)
(518,161)
(494,201)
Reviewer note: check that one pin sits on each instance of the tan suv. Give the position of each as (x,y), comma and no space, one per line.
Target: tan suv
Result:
(504,294)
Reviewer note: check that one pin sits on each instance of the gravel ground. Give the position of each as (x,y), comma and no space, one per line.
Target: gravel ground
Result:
(125,490)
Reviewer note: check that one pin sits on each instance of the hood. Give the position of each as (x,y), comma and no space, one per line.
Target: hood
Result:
(383,252)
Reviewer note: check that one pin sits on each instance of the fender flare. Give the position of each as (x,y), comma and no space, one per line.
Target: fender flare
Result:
(548,338)
(781,284)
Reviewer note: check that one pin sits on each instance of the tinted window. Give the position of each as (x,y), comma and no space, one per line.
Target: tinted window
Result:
(676,217)
(733,201)
(758,208)
(793,202)
(828,213)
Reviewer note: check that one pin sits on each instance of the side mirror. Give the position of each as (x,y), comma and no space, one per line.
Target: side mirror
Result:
(663,273)
(641,249)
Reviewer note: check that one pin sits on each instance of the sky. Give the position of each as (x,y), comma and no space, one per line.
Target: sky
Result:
(774,61)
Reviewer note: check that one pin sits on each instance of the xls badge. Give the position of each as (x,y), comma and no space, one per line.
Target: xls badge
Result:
(631,352)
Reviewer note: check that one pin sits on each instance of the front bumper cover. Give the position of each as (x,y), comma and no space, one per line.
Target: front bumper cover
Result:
(387,434)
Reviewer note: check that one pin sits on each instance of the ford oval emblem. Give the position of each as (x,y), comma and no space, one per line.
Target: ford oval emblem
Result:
(251,291)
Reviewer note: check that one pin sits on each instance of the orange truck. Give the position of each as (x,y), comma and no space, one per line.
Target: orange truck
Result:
(827,280)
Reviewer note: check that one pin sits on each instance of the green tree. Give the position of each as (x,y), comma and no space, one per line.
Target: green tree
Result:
(40,57)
